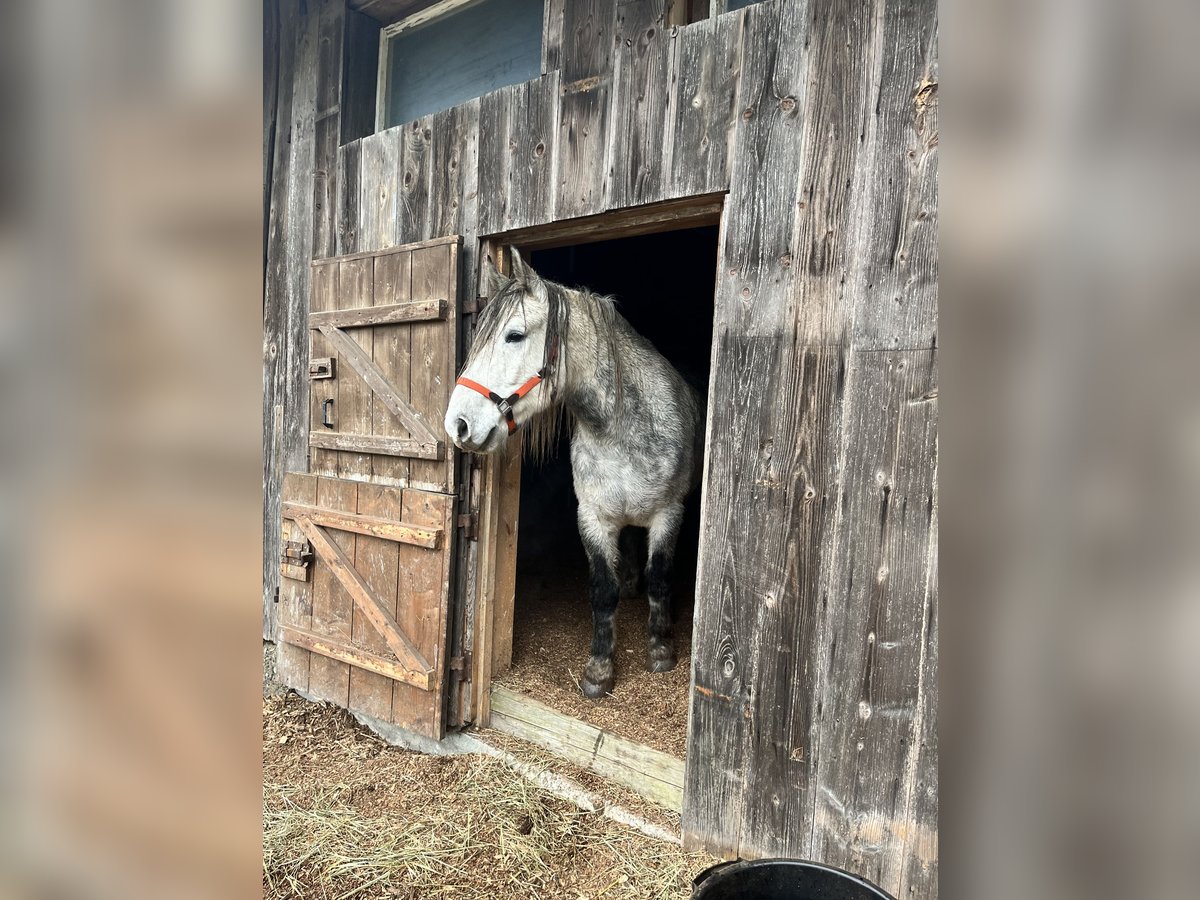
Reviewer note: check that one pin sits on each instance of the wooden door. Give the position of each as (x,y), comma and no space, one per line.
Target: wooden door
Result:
(367,537)
(382,361)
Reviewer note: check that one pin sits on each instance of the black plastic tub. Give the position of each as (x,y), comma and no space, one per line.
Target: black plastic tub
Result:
(781,879)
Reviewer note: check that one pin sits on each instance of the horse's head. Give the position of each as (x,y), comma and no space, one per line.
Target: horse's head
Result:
(506,379)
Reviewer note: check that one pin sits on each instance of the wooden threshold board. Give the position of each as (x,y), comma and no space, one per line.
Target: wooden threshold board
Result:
(655,775)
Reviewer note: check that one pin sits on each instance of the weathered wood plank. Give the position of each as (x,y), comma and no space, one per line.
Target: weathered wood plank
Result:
(372,525)
(433,361)
(339,563)
(872,674)
(295,597)
(331,28)
(415,180)
(552,35)
(689,212)
(379,315)
(378,190)
(325,291)
(505,585)
(356,387)
(587,39)
(391,446)
(651,773)
(495,115)
(332,606)
(706,70)
(532,133)
(361,58)
(639,138)
(393,278)
(348,197)
(362,662)
(424,612)
(377,560)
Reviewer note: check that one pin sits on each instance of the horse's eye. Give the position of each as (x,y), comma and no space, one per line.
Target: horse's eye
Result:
(514,337)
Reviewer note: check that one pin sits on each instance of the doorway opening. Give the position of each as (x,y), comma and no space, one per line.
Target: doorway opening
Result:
(663,283)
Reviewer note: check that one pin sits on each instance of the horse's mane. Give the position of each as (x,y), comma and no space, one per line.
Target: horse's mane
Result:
(561,304)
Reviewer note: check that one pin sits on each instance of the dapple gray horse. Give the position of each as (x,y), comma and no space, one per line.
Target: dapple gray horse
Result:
(637,432)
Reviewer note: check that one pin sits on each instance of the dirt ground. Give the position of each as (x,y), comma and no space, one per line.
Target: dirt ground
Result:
(345,815)
(552,631)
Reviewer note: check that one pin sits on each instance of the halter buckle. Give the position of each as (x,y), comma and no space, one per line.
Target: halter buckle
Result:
(505,407)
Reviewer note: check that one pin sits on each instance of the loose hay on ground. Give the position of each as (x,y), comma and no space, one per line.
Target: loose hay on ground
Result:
(348,816)
(552,631)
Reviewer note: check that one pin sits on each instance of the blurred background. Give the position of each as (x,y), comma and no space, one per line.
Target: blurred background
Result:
(131,250)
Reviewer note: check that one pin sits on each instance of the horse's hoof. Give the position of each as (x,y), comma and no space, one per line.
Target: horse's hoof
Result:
(662,658)
(597,679)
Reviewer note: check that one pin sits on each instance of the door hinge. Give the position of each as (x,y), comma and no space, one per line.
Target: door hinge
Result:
(461,665)
(468,524)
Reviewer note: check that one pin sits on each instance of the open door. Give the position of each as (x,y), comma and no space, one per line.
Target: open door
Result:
(368,533)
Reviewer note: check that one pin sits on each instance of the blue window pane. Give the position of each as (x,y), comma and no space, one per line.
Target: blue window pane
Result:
(463,55)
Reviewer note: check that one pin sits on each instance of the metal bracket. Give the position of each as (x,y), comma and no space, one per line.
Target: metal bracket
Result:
(468,523)
(324,367)
(294,559)
(461,666)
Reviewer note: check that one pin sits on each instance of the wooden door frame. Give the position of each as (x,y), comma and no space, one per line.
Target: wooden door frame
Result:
(500,477)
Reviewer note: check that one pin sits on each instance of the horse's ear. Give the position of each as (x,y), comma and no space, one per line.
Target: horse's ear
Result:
(492,279)
(521,271)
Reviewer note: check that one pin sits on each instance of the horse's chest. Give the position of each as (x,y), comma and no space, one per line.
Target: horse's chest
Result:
(616,486)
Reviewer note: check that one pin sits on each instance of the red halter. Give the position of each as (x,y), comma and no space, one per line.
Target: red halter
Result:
(505,403)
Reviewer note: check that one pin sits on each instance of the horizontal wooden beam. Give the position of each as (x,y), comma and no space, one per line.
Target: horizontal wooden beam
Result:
(364,598)
(367,443)
(354,656)
(691,212)
(378,254)
(652,773)
(419,311)
(373,526)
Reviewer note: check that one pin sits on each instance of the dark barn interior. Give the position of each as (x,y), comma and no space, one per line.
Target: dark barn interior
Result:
(663,284)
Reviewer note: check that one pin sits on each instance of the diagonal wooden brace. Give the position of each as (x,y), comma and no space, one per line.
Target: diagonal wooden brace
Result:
(343,570)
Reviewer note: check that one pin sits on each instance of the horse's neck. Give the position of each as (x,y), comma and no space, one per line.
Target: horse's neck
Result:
(592,391)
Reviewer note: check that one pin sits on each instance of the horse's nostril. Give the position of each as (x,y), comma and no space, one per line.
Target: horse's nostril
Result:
(463,429)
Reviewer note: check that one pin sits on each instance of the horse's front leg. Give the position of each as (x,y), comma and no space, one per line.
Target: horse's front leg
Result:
(664,532)
(601,542)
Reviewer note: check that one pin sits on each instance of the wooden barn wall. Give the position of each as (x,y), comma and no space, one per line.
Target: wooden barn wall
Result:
(813,721)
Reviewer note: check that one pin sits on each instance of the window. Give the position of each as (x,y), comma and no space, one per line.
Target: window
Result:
(453,51)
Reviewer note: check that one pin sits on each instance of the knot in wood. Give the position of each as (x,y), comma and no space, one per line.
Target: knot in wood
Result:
(745,293)
(748,113)
(787,104)
(785,260)
(540,149)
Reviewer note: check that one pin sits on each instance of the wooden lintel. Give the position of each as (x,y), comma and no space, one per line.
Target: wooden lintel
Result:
(364,598)
(366,443)
(419,311)
(355,657)
(419,535)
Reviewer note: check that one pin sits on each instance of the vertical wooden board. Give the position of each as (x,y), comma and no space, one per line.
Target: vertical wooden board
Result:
(504,590)
(432,366)
(325,296)
(874,666)
(415,176)
(552,34)
(390,346)
(581,161)
(377,560)
(348,197)
(495,157)
(354,401)
(533,130)
(332,606)
(423,612)
(295,597)
(640,142)
(755,289)
(380,157)
(587,38)
(894,264)
(330,48)
(361,57)
(704,111)
(445,188)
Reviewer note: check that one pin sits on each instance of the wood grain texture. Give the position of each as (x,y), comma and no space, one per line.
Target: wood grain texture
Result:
(349,187)
(639,134)
(377,444)
(416,181)
(391,348)
(355,396)
(552,35)
(384,523)
(380,314)
(651,773)
(295,597)
(433,361)
(325,279)
(332,606)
